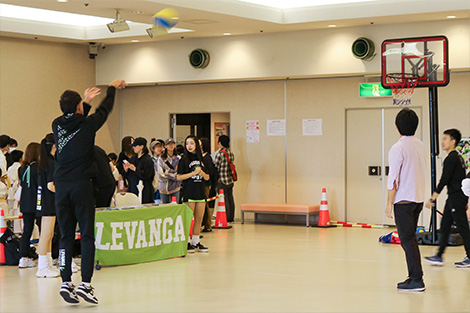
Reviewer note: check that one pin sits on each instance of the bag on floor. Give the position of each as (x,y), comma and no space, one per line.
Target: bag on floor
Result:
(12,247)
(390,238)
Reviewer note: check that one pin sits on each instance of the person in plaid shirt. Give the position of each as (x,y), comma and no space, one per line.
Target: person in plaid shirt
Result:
(225,175)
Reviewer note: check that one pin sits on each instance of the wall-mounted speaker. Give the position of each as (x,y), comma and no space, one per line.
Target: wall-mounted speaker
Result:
(363,49)
(199,58)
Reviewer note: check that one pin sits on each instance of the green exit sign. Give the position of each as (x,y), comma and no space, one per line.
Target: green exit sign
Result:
(373,90)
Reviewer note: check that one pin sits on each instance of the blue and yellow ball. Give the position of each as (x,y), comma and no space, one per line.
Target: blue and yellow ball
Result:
(166,18)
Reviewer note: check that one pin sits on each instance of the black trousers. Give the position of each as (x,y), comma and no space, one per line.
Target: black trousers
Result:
(406,218)
(75,202)
(28,227)
(229,201)
(455,210)
(104,195)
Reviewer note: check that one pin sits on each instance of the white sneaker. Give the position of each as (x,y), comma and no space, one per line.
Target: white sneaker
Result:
(48,272)
(75,267)
(26,263)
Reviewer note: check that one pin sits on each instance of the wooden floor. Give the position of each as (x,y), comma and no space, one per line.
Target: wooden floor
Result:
(260,268)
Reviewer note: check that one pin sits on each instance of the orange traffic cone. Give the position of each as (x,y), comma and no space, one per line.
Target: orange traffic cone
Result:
(191,228)
(221,217)
(3,229)
(324,218)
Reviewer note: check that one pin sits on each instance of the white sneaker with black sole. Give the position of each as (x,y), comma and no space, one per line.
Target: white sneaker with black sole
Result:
(86,292)
(67,291)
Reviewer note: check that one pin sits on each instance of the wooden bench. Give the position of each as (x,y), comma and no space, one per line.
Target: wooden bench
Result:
(279,208)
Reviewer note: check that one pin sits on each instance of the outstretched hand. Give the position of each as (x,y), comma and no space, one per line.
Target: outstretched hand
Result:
(118,84)
(91,93)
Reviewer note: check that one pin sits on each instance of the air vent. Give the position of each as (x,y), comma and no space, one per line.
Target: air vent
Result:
(199,58)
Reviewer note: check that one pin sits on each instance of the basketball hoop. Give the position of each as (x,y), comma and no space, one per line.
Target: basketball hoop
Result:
(403,86)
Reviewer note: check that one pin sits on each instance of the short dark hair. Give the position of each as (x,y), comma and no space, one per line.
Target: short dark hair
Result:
(407,122)
(69,101)
(454,134)
(4,141)
(16,155)
(13,142)
(112,156)
(224,141)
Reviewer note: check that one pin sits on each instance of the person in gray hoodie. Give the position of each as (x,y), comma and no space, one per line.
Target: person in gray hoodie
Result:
(169,186)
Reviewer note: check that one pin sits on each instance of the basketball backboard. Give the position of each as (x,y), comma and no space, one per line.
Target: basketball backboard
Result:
(423,57)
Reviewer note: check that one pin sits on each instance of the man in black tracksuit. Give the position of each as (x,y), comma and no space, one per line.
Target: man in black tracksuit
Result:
(75,167)
(455,210)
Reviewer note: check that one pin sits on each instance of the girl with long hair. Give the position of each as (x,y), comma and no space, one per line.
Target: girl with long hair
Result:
(28,175)
(46,207)
(192,171)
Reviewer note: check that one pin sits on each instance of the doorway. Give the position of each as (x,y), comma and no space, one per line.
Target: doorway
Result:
(203,125)
(370,133)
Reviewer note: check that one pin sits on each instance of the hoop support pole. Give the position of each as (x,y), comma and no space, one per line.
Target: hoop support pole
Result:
(434,131)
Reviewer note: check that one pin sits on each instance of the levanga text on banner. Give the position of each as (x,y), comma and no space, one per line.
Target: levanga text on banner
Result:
(141,235)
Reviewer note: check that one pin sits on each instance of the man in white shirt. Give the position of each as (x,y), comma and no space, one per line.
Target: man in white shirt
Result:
(406,184)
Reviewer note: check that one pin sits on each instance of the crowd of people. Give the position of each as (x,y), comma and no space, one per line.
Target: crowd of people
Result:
(57,184)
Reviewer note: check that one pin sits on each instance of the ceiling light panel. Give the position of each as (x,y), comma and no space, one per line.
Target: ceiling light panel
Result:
(292,4)
(49,16)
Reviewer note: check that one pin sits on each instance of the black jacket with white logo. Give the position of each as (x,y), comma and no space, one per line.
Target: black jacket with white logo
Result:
(75,140)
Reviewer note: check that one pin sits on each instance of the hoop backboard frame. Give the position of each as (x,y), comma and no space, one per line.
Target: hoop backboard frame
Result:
(425,57)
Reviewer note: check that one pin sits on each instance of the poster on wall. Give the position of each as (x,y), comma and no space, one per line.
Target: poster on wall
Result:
(463,148)
(312,127)
(219,130)
(276,127)
(252,131)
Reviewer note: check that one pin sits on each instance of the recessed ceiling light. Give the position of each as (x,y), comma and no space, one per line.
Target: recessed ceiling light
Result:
(134,40)
(451,16)
(332,25)
(137,12)
(62,0)
(227,34)
(293,4)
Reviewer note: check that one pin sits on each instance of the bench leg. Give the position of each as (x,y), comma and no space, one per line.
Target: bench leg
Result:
(308,220)
(243,217)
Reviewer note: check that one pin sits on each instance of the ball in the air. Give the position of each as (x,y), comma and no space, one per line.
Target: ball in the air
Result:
(166,18)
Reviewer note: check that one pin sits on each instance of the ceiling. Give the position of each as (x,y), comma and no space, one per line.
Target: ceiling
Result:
(212,18)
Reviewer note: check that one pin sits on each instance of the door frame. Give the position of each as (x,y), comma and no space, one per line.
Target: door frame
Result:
(382,109)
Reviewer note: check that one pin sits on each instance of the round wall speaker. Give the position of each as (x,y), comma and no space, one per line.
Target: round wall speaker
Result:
(199,58)
(363,49)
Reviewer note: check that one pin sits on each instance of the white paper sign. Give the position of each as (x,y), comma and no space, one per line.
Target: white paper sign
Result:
(252,131)
(276,127)
(312,127)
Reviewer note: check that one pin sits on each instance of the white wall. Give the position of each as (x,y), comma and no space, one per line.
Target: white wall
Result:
(291,54)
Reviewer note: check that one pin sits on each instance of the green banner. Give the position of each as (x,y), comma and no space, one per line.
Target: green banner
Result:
(142,234)
(373,90)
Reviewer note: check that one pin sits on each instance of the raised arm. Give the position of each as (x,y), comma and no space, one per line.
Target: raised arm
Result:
(107,104)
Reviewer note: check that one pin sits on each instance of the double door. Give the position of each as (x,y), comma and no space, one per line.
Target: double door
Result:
(370,133)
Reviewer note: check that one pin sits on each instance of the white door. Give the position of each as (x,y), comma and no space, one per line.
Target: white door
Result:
(370,133)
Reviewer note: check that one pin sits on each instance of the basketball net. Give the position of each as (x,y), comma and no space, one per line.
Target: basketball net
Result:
(403,86)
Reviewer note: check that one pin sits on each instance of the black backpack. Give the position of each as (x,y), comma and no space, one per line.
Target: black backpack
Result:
(12,247)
